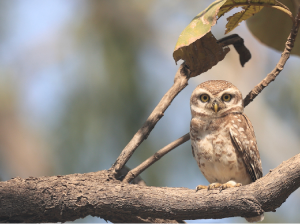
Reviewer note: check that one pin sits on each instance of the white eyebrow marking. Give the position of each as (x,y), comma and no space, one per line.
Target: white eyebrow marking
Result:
(200,92)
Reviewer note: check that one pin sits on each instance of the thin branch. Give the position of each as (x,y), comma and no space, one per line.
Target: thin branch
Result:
(271,76)
(136,180)
(181,81)
(245,56)
(67,198)
(139,169)
(284,57)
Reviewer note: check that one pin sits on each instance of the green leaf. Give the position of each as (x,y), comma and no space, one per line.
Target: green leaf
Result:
(196,41)
(199,26)
(189,47)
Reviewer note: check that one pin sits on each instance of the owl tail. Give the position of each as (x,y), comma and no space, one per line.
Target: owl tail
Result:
(256,218)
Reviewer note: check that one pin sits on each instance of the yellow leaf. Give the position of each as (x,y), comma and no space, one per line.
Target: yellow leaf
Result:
(196,42)
(250,7)
(234,20)
(230,4)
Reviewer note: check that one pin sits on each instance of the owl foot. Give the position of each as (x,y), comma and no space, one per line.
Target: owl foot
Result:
(214,186)
(230,184)
(200,187)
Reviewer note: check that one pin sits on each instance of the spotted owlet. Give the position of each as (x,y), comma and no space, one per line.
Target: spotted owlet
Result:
(222,137)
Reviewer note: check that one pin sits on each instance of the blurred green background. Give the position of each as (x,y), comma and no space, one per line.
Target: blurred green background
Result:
(78,79)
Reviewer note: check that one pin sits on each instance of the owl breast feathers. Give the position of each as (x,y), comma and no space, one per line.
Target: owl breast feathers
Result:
(222,137)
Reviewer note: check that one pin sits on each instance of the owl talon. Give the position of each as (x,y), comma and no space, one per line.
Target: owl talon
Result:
(214,186)
(200,187)
(230,184)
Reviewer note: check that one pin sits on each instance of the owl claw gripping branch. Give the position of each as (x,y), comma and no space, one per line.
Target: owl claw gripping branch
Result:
(222,138)
(213,186)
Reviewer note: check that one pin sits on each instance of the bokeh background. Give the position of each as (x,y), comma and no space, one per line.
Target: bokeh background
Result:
(78,79)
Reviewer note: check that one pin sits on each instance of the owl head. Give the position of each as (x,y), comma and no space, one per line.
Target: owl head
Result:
(216,98)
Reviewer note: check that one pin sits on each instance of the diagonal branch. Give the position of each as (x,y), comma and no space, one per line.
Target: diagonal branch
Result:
(181,81)
(67,198)
(245,56)
(284,57)
(272,75)
(140,168)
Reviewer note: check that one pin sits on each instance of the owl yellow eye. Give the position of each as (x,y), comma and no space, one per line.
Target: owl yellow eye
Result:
(226,97)
(204,98)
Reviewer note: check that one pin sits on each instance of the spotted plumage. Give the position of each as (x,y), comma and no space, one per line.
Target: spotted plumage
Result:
(222,137)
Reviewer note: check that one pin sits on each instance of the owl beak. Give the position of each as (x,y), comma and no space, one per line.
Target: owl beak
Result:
(215,107)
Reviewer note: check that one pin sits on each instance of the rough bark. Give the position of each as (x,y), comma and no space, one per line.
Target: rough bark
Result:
(67,198)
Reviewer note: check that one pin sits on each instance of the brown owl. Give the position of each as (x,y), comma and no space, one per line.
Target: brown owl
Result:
(222,137)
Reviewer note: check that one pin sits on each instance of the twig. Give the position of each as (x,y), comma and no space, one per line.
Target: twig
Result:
(245,56)
(284,57)
(180,82)
(248,99)
(139,169)
(136,180)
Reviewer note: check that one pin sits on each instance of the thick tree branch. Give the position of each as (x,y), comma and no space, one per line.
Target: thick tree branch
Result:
(136,219)
(181,81)
(66,198)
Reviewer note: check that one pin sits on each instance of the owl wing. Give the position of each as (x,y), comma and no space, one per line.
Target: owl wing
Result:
(243,138)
